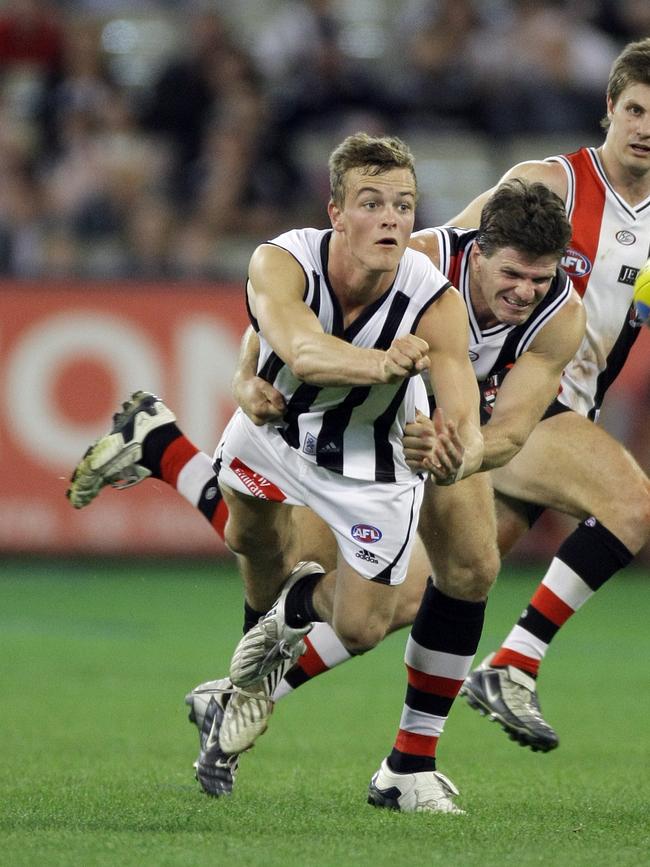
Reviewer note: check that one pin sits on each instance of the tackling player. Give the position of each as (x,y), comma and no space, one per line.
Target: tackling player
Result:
(569,463)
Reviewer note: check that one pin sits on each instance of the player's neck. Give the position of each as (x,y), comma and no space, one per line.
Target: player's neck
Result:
(354,285)
(354,295)
(632,187)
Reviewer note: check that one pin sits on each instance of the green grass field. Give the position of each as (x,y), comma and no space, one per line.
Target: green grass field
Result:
(96,751)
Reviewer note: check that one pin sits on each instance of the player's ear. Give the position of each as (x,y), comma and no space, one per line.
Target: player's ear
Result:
(610,107)
(335,216)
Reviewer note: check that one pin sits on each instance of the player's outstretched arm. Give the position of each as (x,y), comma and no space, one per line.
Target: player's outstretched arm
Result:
(426,241)
(551,174)
(456,428)
(532,384)
(275,289)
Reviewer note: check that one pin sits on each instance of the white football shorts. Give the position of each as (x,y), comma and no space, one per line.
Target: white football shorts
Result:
(374,523)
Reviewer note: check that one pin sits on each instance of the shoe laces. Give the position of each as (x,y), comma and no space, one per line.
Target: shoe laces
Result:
(282,650)
(230,763)
(205,689)
(262,693)
(522,698)
(251,706)
(129,476)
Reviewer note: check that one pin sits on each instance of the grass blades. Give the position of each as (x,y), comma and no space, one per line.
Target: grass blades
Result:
(96,751)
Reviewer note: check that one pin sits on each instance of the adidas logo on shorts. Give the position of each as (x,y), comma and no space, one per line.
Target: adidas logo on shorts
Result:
(362,554)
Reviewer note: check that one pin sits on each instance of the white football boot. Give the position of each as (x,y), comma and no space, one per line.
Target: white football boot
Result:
(246,715)
(271,642)
(423,792)
(215,770)
(509,696)
(113,459)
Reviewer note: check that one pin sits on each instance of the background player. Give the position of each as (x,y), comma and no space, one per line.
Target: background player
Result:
(569,463)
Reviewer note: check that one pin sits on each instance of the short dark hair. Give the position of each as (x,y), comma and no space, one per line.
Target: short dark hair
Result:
(375,154)
(527,216)
(632,66)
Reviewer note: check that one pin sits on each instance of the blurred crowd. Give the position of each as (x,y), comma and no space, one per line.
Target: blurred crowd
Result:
(151,169)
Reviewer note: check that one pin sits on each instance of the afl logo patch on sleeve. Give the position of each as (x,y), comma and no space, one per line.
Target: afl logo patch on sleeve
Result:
(365,534)
(575,264)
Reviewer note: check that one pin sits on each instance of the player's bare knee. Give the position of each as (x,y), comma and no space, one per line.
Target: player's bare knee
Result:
(471,580)
(358,644)
(235,537)
(359,638)
(629,517)
(244,538)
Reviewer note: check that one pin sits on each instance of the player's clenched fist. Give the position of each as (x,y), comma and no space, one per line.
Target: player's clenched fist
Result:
(260,400)
(406,356)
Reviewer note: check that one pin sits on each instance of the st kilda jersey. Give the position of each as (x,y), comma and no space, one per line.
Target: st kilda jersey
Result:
(610,242)
(494,350)
(355,431)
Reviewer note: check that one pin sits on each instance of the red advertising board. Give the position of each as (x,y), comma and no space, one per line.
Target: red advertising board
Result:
(69,355)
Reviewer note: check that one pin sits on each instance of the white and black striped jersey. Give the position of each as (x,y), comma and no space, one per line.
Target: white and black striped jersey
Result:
(494,350)
(355,431)
(610,242)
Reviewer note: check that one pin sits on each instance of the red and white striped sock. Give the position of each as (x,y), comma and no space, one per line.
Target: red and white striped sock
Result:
(586,560)
(439,655)
(324,652)
(170,456)
(198,483)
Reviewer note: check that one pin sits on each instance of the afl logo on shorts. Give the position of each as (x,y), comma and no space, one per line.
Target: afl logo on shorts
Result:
(575,264)
(365,534)
(625,238)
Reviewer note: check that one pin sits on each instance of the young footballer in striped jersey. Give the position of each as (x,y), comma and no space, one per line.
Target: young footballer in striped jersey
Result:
(526,322)
(347,319)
